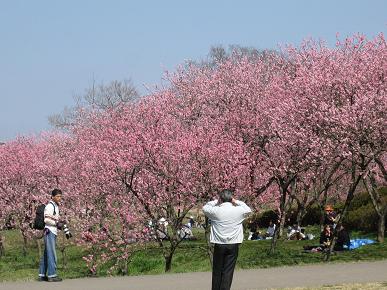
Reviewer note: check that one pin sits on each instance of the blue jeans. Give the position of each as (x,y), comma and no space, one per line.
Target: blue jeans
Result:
(48,260)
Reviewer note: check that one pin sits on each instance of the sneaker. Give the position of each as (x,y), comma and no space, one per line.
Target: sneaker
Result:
(54,279)
(42,278)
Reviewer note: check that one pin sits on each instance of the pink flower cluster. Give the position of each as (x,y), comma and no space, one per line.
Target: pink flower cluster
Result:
(305,114)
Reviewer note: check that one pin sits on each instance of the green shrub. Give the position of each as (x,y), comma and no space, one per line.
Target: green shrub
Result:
(312,216)
(361,214)
(267,216)
(359,200)
(363,218)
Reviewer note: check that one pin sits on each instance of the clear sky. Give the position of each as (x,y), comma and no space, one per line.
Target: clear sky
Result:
(51,50)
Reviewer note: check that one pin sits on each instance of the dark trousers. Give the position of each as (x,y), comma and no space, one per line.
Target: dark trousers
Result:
(225,257)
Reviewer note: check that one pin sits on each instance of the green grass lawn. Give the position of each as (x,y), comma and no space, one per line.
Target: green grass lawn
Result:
(190,257)
(358,286)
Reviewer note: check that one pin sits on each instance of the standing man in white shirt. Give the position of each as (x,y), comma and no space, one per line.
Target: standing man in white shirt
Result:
(226,215)
(48,261)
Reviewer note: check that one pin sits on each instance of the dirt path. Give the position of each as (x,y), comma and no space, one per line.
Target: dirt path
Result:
(308,275)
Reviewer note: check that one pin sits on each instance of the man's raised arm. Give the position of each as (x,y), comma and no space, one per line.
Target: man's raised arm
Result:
(245,207)
(210,208)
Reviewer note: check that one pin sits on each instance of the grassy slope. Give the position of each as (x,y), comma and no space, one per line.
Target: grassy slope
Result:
(359,286)
(190,257)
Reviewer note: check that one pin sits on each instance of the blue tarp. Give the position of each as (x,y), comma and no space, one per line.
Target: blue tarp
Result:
(356,243)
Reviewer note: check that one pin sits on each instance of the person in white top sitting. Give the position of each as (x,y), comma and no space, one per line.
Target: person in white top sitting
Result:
(295,233)
(226,215)
(270,230)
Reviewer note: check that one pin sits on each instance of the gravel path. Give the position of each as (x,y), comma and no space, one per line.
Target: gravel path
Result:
(295,276)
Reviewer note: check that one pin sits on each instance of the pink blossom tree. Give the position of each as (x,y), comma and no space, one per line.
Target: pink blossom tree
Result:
(373,182)
(279,129)
(26,179)
(345,88)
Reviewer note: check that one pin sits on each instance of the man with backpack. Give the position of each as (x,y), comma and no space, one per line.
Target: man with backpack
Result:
(51,225)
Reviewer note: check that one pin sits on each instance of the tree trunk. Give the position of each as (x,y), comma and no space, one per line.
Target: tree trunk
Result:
(64,260)
(2,249)
(381,227)
(25,241)
(280,227)
(210,247)
(322,209)
(350,195)
(300,215)
(124,269)
(274,241)
(169,251)
(92,272)
(168,259)
(39,246)
(38,238)
(379,204)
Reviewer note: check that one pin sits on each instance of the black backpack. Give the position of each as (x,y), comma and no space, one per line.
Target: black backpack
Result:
(39,217)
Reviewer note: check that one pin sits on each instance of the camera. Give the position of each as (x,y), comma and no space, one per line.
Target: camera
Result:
(67,232)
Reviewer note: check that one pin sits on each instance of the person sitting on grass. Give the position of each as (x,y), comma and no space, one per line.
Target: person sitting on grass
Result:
(295,233)
(252,227)
(256,235)
(270,230)
(191,222)
(325,241)
(326,237)
(186,233)
(343,240)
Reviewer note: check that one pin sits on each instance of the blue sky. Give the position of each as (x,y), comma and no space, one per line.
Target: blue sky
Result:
(52,50)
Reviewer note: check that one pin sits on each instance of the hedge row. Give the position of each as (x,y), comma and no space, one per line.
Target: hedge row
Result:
(361,215)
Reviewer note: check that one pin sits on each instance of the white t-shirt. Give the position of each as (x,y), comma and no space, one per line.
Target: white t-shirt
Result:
(51,219)
(226,221)
(270,230)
